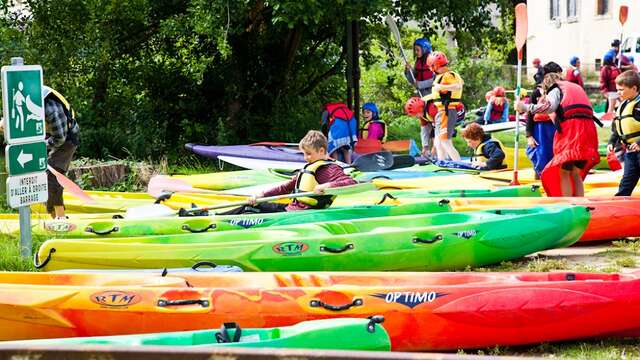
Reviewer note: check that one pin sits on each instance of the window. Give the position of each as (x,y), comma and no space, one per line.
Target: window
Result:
(626,45)
(603,7)
(638,45)
(572,9)
(554,9)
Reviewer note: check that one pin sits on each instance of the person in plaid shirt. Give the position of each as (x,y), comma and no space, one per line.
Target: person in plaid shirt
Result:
(62,141)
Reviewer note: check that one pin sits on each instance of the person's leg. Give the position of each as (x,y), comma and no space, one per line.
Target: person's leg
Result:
(451,150)
(578,185)
(60,159)
(566,180)
(631,174)
(346,154)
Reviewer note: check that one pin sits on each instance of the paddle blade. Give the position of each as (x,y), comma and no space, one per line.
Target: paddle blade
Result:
(374,161)
(160,184)
(402,161)
(394,29)
(522,24)
(624,12)
(70,186)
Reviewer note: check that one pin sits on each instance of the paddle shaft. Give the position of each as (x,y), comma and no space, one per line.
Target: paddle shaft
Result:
(622,16)
(521,36)
(396,34)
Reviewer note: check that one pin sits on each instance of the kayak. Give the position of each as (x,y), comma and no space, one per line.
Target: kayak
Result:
(105,228)
(430,242)
(422,311)
(332,334)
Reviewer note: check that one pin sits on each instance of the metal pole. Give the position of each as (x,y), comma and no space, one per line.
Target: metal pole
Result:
(24,211)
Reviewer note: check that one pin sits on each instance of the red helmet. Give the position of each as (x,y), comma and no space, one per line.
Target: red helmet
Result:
(498,91)
(488,95)
(436,60)
(414,106)
(536,61)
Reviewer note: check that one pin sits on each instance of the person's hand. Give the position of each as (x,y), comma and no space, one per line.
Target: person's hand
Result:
(254,198)
(531,142)
(609,148)
(407,66)
(634,147)
(320,188)
(2,125)
(521,107)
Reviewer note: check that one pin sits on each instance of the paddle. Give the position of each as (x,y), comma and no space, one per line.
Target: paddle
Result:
(70,186)
(521,38)
(396,34)
(402,161)
(622,16)
(155,210)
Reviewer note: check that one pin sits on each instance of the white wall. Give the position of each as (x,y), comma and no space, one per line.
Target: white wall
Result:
(588,36)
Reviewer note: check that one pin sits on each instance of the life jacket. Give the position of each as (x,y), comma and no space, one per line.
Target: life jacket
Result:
(541,117)
(574,104)
(572,77)
(613,74)
(496,111)
(627,126)
(423,72)
(478,154)
(364,131)
(49,93)
(337,111)
(306,182)
(445,99)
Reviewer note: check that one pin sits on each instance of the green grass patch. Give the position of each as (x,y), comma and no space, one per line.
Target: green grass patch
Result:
(10,259)
(631,245)
(627,262)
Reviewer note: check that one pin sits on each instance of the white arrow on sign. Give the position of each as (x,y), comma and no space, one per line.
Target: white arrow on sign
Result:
(24,158)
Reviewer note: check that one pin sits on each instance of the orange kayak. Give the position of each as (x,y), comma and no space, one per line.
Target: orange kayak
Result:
(423,311)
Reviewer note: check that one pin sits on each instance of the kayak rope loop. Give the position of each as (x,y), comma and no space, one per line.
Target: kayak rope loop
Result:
(318,303)
(417,239)
(187,227)
(197,265)
(444,202)
(443,170)
(385,197)
(45,262)
(201,302)
(90,229)
(337,250)
(163,197)
(535,188)
(373,320)
(223,335)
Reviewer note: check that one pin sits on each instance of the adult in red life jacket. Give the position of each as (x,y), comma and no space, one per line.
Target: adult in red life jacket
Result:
(372,128)
(540,129)
(608,74)
(575,143)
(497,109)
(420,76)
(573,72)
(342,131)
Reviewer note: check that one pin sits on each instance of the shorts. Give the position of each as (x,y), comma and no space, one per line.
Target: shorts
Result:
(580,164)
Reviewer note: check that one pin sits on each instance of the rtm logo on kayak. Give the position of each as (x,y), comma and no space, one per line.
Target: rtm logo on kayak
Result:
(59,226)
(410,299)
(290,248)
(116,299)
(246,223)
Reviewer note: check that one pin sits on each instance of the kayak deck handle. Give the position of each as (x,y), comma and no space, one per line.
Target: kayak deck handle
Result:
(187,227)
(113,229)
(373,321)
(45,262)
(318,303)
(416,239)
(336,250)
(385,197)
(201,302)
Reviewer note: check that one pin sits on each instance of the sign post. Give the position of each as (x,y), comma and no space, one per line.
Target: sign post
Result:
(24,131)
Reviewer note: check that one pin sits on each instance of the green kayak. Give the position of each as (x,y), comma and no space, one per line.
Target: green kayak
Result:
(433,242)
(333,334)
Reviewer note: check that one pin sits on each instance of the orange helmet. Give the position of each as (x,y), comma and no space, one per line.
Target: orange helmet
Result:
(488,95)
(498,91)
(414,106)
(436,60)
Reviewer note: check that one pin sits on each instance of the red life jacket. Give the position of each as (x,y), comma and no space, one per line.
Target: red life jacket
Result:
(575,103)
(337,111)
(423,72)
(576,79)
(613,74)
(496,111)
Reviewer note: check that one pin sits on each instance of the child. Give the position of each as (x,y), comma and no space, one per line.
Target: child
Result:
(373,127)
(488,153)
(497,109)
(626,129)
(573,72)
(447,95)
(425,110)
(608,74)
(575,143)
(319,174)
(421,75)
(342,130)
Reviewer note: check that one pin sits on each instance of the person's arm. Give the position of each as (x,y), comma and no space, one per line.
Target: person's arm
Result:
(410,75)
(330,176)
(505,112)
(494,154)
(425,84)
(56,124)
(604,80)
(487,112)
(548,105)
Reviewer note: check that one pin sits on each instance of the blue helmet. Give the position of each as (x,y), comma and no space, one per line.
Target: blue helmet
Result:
(373,108)
(574,60)
(608,58)
(630,57)
(424,44)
